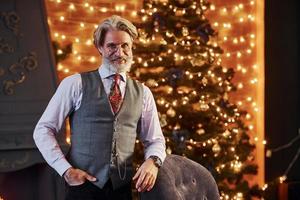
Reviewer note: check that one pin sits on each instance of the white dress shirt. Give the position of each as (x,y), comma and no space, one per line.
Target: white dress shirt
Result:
(67,99)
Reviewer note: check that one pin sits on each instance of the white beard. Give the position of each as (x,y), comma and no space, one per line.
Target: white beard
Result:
(117,68)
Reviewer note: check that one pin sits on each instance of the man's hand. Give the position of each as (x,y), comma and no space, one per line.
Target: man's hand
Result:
(146,176)
(77,177)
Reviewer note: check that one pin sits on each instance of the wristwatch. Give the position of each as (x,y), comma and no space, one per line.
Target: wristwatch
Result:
(157,161)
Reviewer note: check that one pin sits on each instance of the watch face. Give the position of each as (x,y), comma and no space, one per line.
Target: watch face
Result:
(157,161)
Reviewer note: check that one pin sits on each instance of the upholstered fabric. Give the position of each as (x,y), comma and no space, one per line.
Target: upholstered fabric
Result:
(182,179)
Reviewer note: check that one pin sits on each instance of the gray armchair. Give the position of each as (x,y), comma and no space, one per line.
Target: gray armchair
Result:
(182,179)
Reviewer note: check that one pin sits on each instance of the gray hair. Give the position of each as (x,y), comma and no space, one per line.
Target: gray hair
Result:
(114,22)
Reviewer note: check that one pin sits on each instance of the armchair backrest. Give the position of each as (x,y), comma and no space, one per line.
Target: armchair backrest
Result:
(182,179)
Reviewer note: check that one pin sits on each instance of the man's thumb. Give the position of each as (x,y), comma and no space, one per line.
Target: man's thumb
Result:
(90,178)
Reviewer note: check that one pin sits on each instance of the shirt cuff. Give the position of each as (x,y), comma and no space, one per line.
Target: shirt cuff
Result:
(61,166)
(161,155)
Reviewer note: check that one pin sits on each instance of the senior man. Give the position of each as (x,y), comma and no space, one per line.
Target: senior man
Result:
(107,111)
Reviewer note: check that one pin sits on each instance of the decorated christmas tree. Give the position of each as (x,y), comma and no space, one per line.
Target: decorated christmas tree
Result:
(176,56)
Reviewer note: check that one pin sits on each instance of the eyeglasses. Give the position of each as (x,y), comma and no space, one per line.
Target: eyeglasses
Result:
(115,47)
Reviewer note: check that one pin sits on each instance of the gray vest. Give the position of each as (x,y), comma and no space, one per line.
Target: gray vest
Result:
(102,143)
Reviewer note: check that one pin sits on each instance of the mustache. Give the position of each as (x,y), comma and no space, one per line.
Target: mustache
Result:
(117,59)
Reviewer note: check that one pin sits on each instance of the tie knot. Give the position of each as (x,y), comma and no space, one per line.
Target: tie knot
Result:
(117,77)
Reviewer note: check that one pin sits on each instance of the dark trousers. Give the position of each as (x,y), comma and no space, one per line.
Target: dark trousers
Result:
(89,191)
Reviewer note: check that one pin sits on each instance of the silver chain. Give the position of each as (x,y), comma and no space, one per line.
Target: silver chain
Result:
(115,153)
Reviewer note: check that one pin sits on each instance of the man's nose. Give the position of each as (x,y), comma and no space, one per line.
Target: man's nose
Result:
(119,51)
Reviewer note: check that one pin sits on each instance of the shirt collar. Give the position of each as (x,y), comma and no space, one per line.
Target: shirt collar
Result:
(106,73)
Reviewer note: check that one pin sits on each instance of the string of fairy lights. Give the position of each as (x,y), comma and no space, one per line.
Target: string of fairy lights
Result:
(236,25)
(237,36)
(82,18)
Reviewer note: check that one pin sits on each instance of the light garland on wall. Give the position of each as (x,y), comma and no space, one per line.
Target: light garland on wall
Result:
(74,22)
(237,35)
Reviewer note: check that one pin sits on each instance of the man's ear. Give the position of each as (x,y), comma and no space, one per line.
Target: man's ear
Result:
(100,49)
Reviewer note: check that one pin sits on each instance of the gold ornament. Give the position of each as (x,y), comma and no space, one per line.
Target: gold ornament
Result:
(200,131)
(198,11)
(181,1)
(161,101)
(171,112)
(204,81)
(226,133)
(236,165)
(225,96)
(197,62)
(204,106)
(185,31)
(189,147)
(177,126)
(163,120)
(216,148)
(179,12)
(169,150)
(151,82)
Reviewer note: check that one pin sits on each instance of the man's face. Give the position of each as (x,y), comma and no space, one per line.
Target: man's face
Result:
(117,50)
